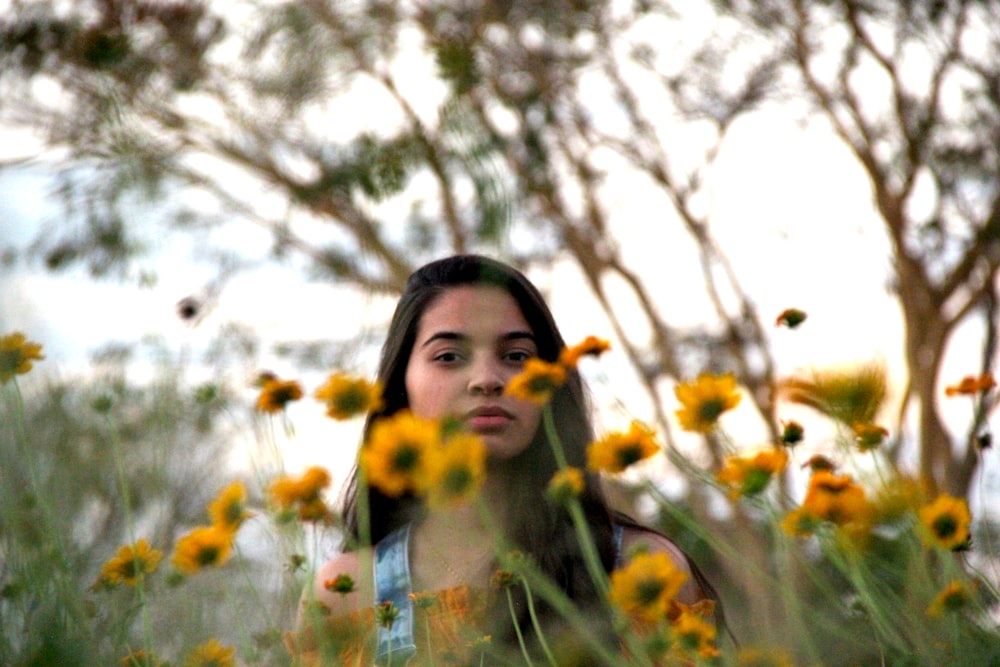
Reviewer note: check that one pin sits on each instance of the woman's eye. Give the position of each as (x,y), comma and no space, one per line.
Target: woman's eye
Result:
(518,356)
(446,357)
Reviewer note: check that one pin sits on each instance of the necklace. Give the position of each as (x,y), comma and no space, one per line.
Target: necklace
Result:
(447,565)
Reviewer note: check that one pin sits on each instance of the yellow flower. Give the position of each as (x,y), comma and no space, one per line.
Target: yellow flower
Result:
(946,522)
(835,498)
(397,456)
(287,491)
(456,471)
(303,494)
(645,587)
(275,394)
(704,401)
(229,509)
(971,385)
(211,654)
(537,381)
(590,346)
(566,485)
(617,451)
(16,355)
(799,523)
(130,564)
(952,597)
(869,436)
(851,395)
(346,396)
(695,634)
(203,546)
(749,475)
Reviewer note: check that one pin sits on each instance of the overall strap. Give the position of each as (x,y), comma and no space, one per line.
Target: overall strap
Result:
(391,572)
(618,533)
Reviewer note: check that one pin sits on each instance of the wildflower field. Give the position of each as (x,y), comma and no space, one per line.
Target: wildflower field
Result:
(843,558)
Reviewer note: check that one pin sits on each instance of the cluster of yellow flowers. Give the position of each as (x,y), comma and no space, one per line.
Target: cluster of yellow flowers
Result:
(436,460)
(303,495)
(344,396)
(645,589)
(407,454)
(208,654)
(203,546)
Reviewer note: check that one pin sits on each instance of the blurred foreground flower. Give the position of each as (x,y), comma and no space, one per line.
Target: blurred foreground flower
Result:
(211,654)
(229,509)
(456,470)
(748,475)
(342,583)
(832,498)
(16,355)
(386,614)
(851,396)
(303,494)
(345,396)
(971,385)
(566,485)
(952,597)
(202,547)
(130,564)
(645,587)
(617,451)
(946,522)
(397,455)
(591,346)
(704,401)
(275,394)
(693,633)
(537,381)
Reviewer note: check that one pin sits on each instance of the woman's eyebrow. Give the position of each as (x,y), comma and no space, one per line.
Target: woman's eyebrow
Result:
(454,335)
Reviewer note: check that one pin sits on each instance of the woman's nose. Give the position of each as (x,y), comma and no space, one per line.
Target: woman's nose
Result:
(486,379)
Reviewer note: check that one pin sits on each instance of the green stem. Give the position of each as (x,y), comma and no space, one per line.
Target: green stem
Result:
(592,559)
(549,591)
(534,622)
(517,629)
(116,453)
(430,650)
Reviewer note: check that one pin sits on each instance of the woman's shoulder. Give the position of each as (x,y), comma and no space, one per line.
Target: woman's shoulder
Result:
(343,584)
(635,537)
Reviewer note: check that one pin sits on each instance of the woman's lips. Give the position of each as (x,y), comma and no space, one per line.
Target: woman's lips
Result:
(487,418)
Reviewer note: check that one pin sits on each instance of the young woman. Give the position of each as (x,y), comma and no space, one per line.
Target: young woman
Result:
(463,328)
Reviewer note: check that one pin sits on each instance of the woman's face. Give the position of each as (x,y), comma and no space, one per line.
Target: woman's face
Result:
(470,342)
